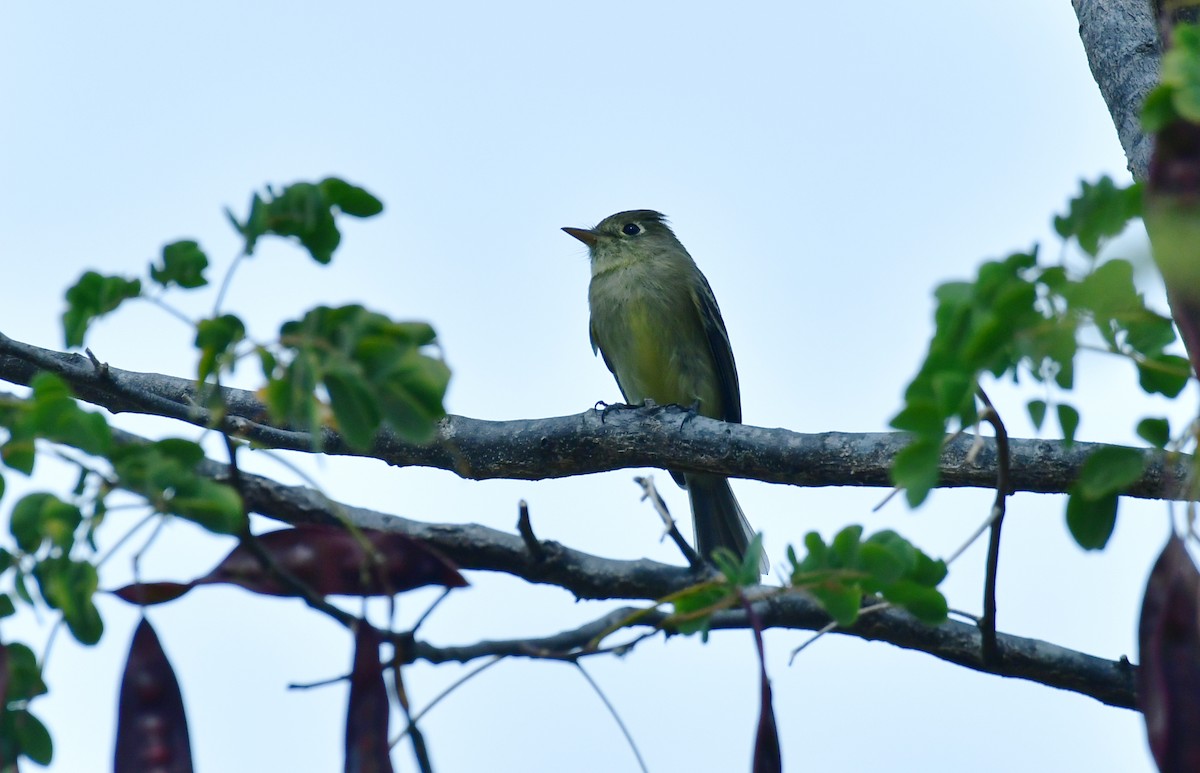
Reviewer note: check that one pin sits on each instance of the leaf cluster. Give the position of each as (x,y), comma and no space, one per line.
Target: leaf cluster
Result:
(372,372)
(1021,317)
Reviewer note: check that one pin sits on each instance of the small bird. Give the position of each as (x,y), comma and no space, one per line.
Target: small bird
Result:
(656,323)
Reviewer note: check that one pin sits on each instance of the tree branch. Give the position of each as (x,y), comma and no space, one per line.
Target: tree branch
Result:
(1123,51)
(593,577)
(618,437)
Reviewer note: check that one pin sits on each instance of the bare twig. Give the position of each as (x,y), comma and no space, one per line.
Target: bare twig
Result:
(525,529)
(987,623)
(670,529)
(612,710)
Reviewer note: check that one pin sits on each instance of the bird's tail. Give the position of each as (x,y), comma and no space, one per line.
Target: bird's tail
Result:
(718,518)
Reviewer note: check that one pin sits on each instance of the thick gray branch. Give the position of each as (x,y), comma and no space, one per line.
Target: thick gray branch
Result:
(1122,48)
(597,440)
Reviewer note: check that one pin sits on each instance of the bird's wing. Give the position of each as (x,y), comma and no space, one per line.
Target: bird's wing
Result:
(598,349)
(718,342)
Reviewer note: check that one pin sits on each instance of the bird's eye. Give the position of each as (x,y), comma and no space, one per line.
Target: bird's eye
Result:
(631,229)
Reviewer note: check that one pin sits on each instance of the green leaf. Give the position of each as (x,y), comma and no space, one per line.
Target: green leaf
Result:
(1180,73)
(844,548)
(1158,111)
(1164,374)
(165,473)
(902,556)
(1091,521)
(25,522)
(24,675)
(920,417)
(302,211)
(354,407)
(56,416)
(1068,421)
(375,369)
(183,263)
(883,565)
(31,736)
(741,571)
(306,212)
(411,390)
(7,607)
(19,454)
(1108,291)
(68,586)
(21,589)
(267,361)
(1100,211)
(1037,412)
(1109,470)
(214,506)
(44,516)
(926,604)
(915,469)
(1156,432)
(93,296)
(1149,333)
(351,199)
(216,339)
(928,571)
(698,603)
(841,602)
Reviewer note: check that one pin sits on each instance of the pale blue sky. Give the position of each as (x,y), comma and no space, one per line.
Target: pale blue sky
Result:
(826,164)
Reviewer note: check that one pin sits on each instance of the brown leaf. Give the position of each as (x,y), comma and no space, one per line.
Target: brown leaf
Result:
(367,716)
(330,560)
(145,594)
(152,733)
(1169,647)
(767,755)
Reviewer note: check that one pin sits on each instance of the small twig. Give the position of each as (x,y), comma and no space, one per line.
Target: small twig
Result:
(226,281)
(322,683)
(827,628)
(831,626)
(987,623)
(425,615)
(441,696)
(252,544)
(101,367)
(616,717)
(525,529)
(660,506)
(169,309)
(420,749)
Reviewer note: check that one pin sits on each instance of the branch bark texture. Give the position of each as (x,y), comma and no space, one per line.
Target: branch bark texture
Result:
(1123,51)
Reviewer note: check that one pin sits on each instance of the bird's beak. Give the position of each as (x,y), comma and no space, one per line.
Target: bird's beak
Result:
(584,235)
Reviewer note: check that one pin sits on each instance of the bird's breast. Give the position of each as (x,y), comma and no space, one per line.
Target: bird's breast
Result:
(647,325)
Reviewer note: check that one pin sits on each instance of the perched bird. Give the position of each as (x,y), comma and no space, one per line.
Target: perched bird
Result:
(656,323)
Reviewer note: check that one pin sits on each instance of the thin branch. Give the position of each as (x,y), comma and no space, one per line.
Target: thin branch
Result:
(612,710)
(525,529)
(1110,682)
(670,529)
(457,683)
(987,623)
